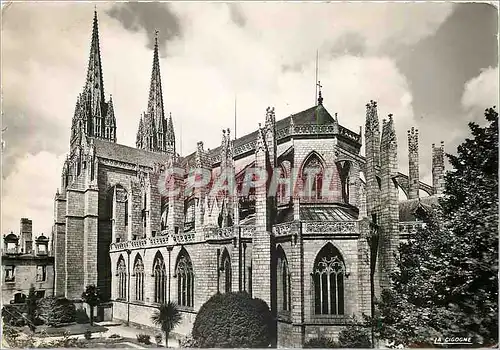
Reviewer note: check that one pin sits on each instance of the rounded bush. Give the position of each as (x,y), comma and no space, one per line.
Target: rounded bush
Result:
(233,320)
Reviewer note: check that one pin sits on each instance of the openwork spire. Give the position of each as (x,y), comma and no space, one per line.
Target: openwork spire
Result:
(94,84)
(94,117)
(156,134)
(155,102)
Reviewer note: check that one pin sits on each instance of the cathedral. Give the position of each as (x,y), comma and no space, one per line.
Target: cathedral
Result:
(317,247)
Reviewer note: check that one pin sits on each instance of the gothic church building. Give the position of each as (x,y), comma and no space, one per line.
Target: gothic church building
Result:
(313,259)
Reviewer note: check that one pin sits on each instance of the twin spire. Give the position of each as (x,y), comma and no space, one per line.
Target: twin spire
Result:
(155,133)
(94,116)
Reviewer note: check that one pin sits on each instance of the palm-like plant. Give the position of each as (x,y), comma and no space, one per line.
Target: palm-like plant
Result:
(167,317)
(91,297)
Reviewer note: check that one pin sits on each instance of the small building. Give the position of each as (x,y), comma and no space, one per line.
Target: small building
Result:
(24,267)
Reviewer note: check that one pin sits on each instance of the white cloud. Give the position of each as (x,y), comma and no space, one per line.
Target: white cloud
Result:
(29,192)
(45,59)
(481,92)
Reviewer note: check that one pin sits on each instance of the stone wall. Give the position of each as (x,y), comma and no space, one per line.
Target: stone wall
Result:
(25,272)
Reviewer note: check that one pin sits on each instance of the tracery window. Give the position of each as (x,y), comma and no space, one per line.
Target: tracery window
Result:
(328,277)
(139,278)
(160,276)
(185,280)
(312,173)
(122,278)
(284,282)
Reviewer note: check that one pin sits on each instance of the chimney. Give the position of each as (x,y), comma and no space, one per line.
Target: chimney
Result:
(26,233)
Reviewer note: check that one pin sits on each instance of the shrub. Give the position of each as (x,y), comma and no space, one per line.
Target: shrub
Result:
(321,342)
(233,320)
(87,334)
(38,321)
(188,342)
(12,315)
(355,336)
(56,310)
(81,316)
(144,338)
(114,336)
(158,338)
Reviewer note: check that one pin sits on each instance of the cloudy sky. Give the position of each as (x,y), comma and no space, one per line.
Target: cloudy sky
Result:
(433,65)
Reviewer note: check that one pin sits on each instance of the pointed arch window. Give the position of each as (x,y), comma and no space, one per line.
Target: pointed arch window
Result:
(312,173)
(164,213)
(98,127)
(139,278)
(328,280)
(281,191)
(185,280)
(160,276)
(160,141)
(122,278)
(226,275)
(344,168)
(284,282)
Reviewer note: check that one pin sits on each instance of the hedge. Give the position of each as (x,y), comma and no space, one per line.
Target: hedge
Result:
(233,320)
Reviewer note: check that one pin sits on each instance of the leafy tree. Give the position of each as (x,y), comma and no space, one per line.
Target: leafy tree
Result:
(91,297)
(233,320)
(31,308)
(447,283)
(167,317)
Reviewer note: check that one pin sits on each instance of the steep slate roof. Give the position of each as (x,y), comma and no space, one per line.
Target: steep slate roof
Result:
(126,154)
(409,207)
(314,115)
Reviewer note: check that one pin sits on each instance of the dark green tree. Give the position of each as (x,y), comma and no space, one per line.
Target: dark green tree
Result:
(355,336)
(233,320)
(167,317)
(91,297)
(447,283)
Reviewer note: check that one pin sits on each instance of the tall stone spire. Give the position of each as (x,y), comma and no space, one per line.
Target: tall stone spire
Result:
(155,126)
(94,117)
(94,84)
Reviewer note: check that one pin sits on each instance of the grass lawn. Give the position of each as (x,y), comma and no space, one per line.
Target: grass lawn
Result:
(73,329)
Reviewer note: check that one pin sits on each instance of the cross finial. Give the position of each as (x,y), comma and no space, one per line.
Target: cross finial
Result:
(320,98)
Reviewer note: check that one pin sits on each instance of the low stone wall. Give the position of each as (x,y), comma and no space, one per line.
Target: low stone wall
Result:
(326,331)
(139,316)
